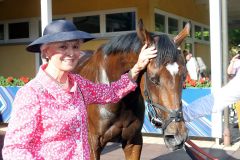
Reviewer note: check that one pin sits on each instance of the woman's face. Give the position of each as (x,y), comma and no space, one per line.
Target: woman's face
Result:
(189,56)
(64,56)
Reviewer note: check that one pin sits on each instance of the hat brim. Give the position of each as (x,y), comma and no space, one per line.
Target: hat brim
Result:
(58,37)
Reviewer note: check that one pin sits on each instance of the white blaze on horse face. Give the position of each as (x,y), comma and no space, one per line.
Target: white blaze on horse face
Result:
(172,68)
(103,78)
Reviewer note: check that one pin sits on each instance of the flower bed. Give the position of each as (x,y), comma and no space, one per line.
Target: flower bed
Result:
(11,81)
(201,83)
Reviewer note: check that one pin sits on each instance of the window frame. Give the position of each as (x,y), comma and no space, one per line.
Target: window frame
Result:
(34,27)
(88,16)
(4,35)
(11,23)
(191,39)
(164,16)
(103,34)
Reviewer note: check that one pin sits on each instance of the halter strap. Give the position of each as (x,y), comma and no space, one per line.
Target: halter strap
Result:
(174,115)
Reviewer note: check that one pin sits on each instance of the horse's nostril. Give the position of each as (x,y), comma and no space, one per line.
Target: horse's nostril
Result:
(170,140)
(173,142)
(169,137)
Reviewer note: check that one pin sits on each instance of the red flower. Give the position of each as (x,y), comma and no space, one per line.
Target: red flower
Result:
(9,79)
(24,79)
(193,83)
(188,78)
(202,80)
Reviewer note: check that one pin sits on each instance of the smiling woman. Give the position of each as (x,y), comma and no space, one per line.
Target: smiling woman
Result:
(53,104)
(62,57)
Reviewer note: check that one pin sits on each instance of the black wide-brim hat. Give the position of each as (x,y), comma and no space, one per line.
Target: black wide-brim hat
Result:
(57,31)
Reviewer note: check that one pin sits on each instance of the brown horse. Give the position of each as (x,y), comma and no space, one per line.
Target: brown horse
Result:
(160,85)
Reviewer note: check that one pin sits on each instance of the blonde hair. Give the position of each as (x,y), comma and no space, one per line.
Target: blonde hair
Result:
(44,57)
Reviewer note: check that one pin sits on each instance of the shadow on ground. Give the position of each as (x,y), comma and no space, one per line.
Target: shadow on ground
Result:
(113,151)
(217,153)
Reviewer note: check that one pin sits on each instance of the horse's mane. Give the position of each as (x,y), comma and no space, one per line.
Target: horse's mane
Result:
(128,43)
(123,44)
(167,50)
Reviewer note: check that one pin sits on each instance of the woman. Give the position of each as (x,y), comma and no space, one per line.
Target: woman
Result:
(218,100)
(191,64)
(49,119)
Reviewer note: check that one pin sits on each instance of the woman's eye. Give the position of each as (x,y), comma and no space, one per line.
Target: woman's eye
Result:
(63,47)
(76,47)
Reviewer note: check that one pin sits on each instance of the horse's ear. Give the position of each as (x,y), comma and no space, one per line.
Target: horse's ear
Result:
(183,34)
(142,33)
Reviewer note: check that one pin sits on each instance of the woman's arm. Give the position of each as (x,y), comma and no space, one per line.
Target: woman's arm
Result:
(231,69)
(99,93)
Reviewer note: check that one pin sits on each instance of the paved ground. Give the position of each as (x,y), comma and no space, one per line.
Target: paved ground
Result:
(154,149)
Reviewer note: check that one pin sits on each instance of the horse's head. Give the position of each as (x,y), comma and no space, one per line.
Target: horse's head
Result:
(162,86)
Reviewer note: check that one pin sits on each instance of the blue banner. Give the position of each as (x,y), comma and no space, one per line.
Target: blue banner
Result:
(201,127)
(7,95)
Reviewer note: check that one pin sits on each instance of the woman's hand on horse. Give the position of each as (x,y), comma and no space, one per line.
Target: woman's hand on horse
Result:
(144,57)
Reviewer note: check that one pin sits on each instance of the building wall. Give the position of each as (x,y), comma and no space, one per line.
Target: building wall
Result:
(186,8)
(203,51)
(15,9)
(17,62)
(31,9)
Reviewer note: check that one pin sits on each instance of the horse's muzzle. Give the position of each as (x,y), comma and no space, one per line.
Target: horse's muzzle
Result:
(175,141)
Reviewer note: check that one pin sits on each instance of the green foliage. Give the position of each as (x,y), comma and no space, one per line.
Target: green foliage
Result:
(10,81)
(201,83)
(234,37)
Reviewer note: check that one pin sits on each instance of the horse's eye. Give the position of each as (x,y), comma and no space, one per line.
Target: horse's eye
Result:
(154,80)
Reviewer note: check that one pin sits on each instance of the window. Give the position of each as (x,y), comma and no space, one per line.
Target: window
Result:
(172,26)
(188,46)
(120,22)
(90,24)
(18,30)
(206,34)
(198,32)
(159,23)
(1,31)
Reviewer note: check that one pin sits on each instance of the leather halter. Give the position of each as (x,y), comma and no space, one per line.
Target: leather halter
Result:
(157,120)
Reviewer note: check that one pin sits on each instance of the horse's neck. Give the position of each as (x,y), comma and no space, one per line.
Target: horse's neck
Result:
(117,64)
(105,69)
(89,69)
